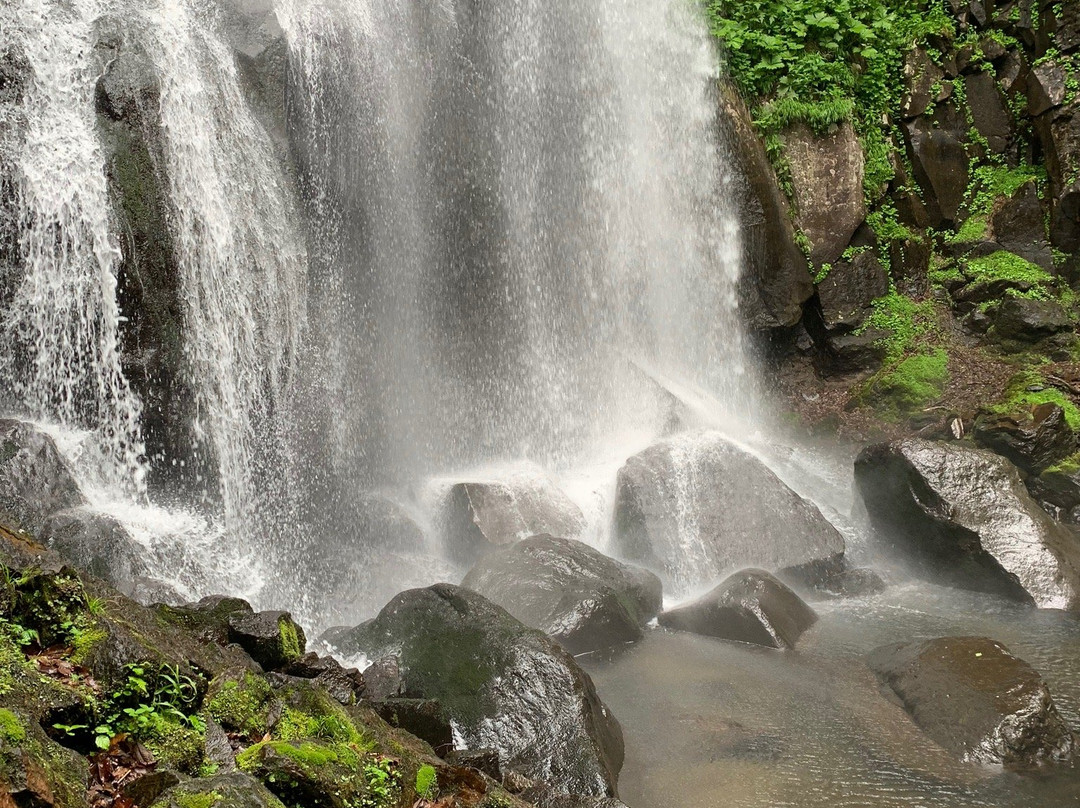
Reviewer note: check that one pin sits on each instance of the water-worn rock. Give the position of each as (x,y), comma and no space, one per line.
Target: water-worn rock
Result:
(775,284)
(848,290)
(827,175)
(574,594)
(696,507)
(1033,440)
(344,684)
(750,606)
(505,686)
(98,544)
(977,700)
(34,480)
(966,518)
(273,639)
(479,516)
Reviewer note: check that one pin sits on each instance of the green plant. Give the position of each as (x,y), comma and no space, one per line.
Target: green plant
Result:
(147,702)
(383,783)
(427,785)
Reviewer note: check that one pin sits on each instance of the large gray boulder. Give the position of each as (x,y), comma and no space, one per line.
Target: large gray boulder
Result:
(697,507)
(503,685)
(480,515)
(965,518)
(750,606)
(573,593)
(97,543)
(977,700)
(34,480)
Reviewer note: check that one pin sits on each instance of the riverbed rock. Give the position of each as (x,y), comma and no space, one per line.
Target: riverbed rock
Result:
(479,516)
(34,480)
(827,175)
(1034,439)
(573,593)
(976,699)
(965,518)
(505,686)
(751,606)
(696,507)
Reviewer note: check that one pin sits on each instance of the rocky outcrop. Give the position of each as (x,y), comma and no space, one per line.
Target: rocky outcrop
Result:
(827,175)
(750,606)
(1033,440)
(697,507)
(966,519)
(574,594)
(935,145)
(847,292)
(273,639)
(98,544)
(34,480)
(479,516)
(977,700)
(505,686)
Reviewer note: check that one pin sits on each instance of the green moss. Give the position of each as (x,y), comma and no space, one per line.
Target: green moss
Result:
(84,642)
(310,756)
(242,706)
(910,384)
(426,781)
(1070,465)
(198,799)
(297,725)
(905,319)
(290,640)
(1028,390)
(12,731)
(176,746)
(973,229)
(1006,266)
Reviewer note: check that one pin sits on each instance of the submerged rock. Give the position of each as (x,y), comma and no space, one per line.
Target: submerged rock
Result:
(977,700)
(697,507)
(968,520)
(750,606)
(573,593)
(505,686)
(34,480)
(480,516)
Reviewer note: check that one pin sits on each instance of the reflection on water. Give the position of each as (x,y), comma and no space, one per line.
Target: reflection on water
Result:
(711,723)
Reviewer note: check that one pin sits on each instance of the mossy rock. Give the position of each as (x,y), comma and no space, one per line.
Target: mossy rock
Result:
(905,387)
(321,774)
(34,769)
(232,790)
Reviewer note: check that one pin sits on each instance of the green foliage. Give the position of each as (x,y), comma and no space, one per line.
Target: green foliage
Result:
(1070,465)
(157,706)
(290,639)
(383,782)
(1006,266)
(905,319)
(198,799)
(1027,390)
(296,725)
(910,384)
(427,785)
(242,706)
(12,731)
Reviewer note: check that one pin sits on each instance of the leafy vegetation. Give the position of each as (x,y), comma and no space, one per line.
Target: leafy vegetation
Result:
(907,322)
(910,384)
(1028,390)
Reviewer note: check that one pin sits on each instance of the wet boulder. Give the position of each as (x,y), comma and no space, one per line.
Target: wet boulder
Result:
(751,606)
(573,593)
(964,518)
(479,516)
(273,639)
(505,686)
(1034,440)
(98,544)
(34,480)
(977,700)
(847,292)
(697,507)
(129,89)
(232,790)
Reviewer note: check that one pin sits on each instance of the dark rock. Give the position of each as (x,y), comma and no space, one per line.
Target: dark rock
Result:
(146,789)
(827,175)
(346,685)
(383,679)
(1065,218)
(480,516)
(271,638)
(1026,320)
(1061,23)
(909,261)
(423,718)
(1034,440)
(966,519)
(505,686)
(988,111)
(697,507)
(936,147)
(218,750)
(750,606)
(854,353)
(921,76)
(482,760)
(1012,73)
(1018,225)
(34,480)
(775,283)
(129,88)
(1059,485)
(856,582)
(848,290)
(576,595)
(1046,87)
(232,790)
(977,700)
(208,619)
(98,544)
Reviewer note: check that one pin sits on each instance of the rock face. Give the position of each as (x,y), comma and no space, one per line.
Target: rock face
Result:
(1033,441)
(936,148)
(827,174)
(1018,226)
(505,686)
(848,290)
(34,481)
(967,519)
(750,606)
(480,516)
(1029,321)
(574,594)
(977,700)
(98,544)
(272,639)
(697,507)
